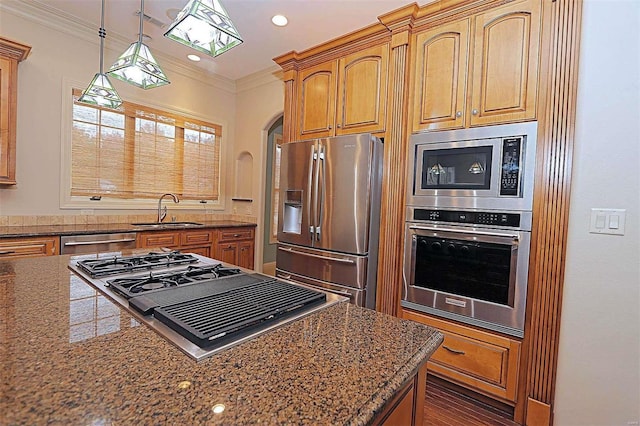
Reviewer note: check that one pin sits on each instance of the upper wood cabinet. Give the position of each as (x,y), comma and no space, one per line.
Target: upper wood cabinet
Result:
(344,96)
(477,71)
(11,53)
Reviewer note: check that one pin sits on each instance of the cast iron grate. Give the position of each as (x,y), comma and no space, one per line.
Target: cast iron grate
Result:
(216,318)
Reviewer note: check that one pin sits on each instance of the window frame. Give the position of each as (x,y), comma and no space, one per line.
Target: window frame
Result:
(68,201)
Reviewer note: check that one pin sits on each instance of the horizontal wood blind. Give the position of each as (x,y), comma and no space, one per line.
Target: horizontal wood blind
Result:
(141,152)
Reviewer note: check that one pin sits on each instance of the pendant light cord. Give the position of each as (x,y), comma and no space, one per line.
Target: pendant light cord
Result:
(102,33)
(141,19)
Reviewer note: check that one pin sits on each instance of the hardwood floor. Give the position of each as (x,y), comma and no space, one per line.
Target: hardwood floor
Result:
(449,407)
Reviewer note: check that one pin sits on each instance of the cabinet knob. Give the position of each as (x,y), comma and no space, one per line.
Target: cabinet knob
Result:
(339,126)
(474,112)
(330,127)
(459,114)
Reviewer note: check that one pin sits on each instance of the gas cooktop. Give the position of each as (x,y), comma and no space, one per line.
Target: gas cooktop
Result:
(199,304)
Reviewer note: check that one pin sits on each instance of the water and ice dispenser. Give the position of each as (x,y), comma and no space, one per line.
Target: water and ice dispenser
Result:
(292,214)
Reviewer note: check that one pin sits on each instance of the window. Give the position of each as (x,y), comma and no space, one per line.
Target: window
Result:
(137,152)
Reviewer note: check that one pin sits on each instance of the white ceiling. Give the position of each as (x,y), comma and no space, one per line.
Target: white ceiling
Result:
(311,22)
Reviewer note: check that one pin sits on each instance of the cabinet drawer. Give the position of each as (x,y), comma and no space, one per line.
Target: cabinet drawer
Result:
(235,234)
(482,361)
(198,238)
(28,247)
(158,239)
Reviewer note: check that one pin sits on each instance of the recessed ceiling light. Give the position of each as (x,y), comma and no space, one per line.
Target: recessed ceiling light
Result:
(194,58)
(280,20)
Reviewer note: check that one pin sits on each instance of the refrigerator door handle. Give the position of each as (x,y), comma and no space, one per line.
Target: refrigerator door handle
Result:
(315,225)
(320,189)
(312,160)
(317,256)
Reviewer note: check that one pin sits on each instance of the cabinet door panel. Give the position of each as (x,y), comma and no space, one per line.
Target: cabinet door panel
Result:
(7,109)
(362,91)
(440,77)
(505,63)
(317,87)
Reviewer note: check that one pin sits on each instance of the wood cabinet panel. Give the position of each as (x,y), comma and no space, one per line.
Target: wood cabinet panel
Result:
(362,91)
(11,53)
(406,407)
(197,238)
(505,70)
(236,246)
(482,361)
(12,248)
(317,104)
(440,70)
(344,96)
(158,239)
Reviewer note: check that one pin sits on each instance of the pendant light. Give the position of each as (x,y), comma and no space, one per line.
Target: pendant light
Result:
(137,65)
(476,168)
(100,91)
(204,25)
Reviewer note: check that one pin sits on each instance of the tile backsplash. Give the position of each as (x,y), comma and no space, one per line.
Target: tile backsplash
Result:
(104,219)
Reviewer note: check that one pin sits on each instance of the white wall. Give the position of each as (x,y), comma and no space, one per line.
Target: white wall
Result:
(259,102)
(59,57)
(598,381)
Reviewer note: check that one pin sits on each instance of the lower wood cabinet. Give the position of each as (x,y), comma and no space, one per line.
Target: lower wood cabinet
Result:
(192,241)
(479,360)
(235,246)
(406,407)
(12,248)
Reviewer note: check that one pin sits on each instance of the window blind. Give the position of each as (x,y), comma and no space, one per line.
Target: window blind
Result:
(141,152)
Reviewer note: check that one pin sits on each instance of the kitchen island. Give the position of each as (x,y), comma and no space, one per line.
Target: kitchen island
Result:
(70,356)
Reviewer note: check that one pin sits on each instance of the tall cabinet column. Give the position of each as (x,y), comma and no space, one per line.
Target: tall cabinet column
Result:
(394,177)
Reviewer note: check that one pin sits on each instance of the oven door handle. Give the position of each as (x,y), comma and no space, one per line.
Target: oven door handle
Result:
(466,231)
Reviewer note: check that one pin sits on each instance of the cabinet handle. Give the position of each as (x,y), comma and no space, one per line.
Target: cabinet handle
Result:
(236,235)
(7,252)
(453,351)
(459,114)
(339,126)
(474,112)
(330,127)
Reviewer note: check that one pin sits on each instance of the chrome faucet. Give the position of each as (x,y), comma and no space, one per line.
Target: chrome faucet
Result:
(162,211)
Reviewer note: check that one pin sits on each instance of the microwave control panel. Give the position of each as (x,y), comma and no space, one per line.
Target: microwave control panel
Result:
(511,159)
(470,217)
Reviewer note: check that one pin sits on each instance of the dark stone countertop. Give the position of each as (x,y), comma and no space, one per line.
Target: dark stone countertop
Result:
(109,228)
(69,356)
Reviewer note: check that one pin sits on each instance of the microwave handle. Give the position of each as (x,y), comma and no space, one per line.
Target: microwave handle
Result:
(466,231)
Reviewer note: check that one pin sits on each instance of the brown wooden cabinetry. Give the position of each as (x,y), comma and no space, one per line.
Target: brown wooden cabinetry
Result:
(484,362)
(479,70)
(344,96)
(406,407)
(12,248)
(235,246)
(11,53)
(192,241)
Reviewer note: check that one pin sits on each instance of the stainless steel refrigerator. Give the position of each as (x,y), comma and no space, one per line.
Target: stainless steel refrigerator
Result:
(329,215)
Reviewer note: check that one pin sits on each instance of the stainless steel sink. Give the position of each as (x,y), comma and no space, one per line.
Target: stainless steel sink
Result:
(167,224)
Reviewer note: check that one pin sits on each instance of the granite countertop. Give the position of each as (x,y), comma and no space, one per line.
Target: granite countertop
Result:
(69,356)
(41,230)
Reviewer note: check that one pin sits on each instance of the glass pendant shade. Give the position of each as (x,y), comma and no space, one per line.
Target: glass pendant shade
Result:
(137,66)
(437,169)
(205,26)
(101,93)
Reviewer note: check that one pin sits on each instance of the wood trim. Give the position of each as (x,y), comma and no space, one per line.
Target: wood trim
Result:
(13,49)
(393,186)
(538,414)
(556,117)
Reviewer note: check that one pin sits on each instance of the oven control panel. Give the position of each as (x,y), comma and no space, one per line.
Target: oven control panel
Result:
(470,217)
(511,159)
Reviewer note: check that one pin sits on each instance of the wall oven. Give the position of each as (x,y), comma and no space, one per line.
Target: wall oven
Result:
(468,225)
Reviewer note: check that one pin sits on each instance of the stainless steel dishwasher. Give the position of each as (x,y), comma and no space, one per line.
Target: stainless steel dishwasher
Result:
(93,243)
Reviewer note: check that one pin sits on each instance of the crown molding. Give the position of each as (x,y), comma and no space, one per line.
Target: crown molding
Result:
(260,78)
(49,17)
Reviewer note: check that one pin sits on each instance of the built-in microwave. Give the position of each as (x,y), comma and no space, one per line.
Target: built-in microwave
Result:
(481,168)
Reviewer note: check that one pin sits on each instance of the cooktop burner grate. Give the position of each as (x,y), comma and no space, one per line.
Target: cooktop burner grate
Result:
(131,286)
(230,314)
(118,265)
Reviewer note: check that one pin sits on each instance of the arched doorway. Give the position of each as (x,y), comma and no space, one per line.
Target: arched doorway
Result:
(271,197)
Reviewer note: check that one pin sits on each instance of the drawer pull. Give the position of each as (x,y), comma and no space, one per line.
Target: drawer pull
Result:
(7,252)
(453,351)
(236,235)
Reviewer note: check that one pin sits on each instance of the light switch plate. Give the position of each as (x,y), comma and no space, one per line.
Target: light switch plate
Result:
(607,221)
